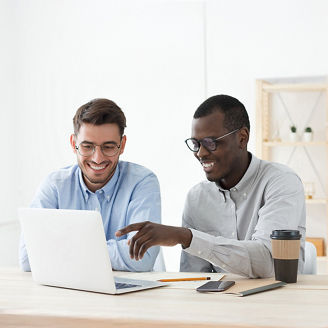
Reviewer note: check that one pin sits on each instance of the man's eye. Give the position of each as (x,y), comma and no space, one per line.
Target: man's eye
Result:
(209,143)
(108,147)
(86,147)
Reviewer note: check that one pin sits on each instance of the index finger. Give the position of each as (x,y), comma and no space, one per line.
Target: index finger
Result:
(129,228)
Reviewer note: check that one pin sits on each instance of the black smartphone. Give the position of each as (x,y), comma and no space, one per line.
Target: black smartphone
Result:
(215,286)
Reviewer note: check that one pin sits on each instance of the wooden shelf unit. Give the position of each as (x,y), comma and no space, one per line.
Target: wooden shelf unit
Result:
(294,144)
(265,144)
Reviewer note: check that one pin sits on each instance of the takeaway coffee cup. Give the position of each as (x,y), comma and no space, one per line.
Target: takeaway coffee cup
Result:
(285,253)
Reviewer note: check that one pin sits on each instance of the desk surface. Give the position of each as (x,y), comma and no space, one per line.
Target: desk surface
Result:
(23,303)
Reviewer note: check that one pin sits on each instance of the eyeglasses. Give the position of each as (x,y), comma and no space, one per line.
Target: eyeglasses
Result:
(108,148)
(209,143)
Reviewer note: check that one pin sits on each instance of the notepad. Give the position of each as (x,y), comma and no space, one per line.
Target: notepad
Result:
(247,287)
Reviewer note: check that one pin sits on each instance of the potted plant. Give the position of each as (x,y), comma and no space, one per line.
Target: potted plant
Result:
(308,134)
(293,133)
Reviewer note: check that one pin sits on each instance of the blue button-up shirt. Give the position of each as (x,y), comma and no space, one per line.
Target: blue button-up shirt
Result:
(131,195)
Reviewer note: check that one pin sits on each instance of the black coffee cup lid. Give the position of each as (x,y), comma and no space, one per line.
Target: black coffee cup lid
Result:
(286,234)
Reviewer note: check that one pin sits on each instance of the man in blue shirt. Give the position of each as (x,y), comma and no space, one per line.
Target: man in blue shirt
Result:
(123,192)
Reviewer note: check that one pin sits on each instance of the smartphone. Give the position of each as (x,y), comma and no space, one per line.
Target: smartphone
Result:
(215,286)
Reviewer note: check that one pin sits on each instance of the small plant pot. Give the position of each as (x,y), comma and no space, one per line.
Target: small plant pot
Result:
(293,137)
(307,136)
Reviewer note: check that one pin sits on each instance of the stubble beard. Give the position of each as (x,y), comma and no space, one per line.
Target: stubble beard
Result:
(96,181)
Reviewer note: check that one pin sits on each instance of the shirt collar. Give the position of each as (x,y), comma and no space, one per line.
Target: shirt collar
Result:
(107,189)
(248,178)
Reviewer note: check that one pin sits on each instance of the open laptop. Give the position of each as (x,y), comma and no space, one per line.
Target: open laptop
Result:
(67,248)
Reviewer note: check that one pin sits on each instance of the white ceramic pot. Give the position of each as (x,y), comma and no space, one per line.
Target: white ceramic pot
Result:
(293,137)
(307,136)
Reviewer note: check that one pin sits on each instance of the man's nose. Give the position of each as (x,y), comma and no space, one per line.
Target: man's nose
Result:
(202,151)
(98,156)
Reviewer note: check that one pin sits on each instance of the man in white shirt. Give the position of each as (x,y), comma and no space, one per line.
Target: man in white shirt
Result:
(228,219)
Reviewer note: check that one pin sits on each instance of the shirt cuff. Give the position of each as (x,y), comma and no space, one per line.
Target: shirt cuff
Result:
(201,244)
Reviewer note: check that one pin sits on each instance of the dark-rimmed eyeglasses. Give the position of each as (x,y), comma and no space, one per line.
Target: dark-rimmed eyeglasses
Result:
(209,143)
(108,148)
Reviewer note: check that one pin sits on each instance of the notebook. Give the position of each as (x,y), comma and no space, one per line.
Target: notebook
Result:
(245,287)
(67,248)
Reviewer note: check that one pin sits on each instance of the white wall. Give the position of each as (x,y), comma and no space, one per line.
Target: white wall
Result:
(8,227)
(148,56)
(7,107)
(260,39)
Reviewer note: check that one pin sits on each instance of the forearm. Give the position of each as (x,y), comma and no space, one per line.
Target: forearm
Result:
(183,236)
(250,258)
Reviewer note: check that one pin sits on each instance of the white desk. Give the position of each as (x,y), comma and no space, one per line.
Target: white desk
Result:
(26,304)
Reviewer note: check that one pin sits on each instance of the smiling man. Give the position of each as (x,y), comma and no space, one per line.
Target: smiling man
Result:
(123,192)
(228,219)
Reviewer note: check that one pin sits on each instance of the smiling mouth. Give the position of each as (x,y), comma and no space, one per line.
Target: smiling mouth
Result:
(208,165)
(98,167)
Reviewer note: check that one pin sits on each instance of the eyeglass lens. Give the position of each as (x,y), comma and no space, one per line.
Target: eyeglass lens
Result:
(194,144)
(109,149)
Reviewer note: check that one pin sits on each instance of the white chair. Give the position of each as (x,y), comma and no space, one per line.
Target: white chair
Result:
(310,263)
(159,264)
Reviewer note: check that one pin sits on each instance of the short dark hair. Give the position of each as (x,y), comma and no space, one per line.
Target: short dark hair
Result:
(235,114)
(99,111)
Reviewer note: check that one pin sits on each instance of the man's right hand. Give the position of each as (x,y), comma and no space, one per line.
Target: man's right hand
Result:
(153,234)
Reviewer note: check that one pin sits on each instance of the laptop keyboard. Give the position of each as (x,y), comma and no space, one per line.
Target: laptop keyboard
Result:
(120,285)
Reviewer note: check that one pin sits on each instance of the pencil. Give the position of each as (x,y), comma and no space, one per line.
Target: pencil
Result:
(185,279)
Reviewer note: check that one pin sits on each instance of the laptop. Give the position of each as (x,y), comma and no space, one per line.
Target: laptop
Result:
(67,248)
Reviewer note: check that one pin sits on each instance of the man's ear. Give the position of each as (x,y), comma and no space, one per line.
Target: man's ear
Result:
(72,141)
(243,137)
(123,142)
